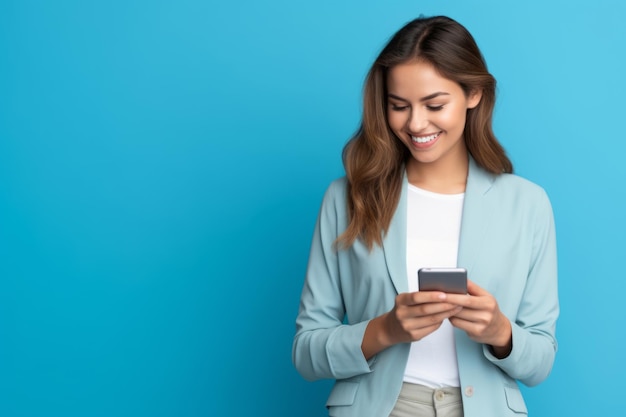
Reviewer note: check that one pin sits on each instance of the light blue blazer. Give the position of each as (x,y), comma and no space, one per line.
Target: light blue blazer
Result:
(507,244)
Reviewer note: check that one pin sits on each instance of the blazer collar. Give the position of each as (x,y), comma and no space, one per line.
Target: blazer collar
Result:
(394,243)
(476,214)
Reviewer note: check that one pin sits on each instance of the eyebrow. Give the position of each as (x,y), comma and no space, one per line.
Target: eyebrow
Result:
(428,97)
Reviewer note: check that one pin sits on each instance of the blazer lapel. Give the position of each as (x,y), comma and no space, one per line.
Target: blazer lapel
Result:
(476,215)
(394,244)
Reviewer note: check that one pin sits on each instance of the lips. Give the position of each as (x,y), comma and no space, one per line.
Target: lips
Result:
(425,139)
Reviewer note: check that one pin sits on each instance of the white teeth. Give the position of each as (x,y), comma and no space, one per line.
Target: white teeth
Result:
(424,139)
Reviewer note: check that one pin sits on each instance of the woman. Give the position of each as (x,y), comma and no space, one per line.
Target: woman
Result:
(428,185)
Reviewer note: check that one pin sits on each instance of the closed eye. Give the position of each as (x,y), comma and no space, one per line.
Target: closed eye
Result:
(435,108)
(395,107)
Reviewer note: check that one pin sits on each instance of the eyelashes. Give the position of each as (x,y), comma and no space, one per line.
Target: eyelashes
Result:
(403,108)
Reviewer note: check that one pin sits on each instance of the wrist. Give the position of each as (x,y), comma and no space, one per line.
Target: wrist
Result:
(501,352)
(382,334)
(375,338)
(501,348)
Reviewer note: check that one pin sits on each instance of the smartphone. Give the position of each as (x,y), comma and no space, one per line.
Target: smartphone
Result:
(450,280)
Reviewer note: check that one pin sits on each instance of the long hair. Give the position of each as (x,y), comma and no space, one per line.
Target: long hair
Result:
(374,157)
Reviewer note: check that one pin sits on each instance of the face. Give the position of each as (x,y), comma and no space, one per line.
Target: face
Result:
(427,113)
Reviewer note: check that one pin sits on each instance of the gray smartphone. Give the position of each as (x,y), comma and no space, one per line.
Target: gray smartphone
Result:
(450,280)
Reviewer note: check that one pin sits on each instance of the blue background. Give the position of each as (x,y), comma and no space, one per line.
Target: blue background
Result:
(162,165)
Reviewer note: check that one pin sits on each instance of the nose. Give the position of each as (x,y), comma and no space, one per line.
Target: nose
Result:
(417,121)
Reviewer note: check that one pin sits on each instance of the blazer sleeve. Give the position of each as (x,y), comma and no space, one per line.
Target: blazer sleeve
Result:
(324,346)
(533,330)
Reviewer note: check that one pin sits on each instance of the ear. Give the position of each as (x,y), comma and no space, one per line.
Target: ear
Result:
(474,98)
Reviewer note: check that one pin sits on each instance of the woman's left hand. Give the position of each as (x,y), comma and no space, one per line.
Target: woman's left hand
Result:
(482,319)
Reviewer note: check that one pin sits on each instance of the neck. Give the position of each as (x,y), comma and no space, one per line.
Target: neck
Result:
(447,176)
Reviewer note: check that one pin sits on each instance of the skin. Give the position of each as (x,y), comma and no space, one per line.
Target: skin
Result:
(422,103)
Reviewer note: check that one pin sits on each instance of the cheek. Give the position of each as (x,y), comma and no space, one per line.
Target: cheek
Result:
(454,118)
(395,120)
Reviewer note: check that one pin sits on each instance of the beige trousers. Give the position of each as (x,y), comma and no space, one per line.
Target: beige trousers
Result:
(420,401)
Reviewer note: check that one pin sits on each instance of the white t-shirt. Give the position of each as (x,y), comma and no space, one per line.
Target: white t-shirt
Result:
(433,228)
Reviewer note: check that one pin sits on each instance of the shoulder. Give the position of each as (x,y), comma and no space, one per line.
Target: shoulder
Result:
(521,196)
(336,192)
(334,203)
(504,187)
(518,183)
(520,187)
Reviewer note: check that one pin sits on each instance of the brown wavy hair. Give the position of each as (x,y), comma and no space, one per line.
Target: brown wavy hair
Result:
(374,158)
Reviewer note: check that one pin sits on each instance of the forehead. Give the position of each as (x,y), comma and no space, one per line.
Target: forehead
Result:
(418,78)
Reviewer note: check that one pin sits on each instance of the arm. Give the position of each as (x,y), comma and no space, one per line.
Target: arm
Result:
(325,347)
(533,329)
(524,346)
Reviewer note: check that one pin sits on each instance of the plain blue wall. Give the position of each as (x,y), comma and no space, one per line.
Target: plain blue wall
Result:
(161,168)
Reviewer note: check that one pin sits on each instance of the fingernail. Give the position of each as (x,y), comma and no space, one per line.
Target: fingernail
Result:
(442,296)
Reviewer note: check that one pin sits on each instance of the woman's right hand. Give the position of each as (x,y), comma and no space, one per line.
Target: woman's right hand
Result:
(414,316)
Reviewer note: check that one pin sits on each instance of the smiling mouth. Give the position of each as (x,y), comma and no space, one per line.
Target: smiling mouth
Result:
(425,139)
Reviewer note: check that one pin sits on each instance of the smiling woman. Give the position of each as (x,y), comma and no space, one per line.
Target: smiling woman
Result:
(428,185)
(430,125)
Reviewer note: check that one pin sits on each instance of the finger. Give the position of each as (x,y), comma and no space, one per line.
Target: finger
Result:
(405,299)
(422,332)
(467,314)
(476,331)
(425,321)
(428,309)
(421,297)
(467,326)
(403,313)
(475,289)
(463,300)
